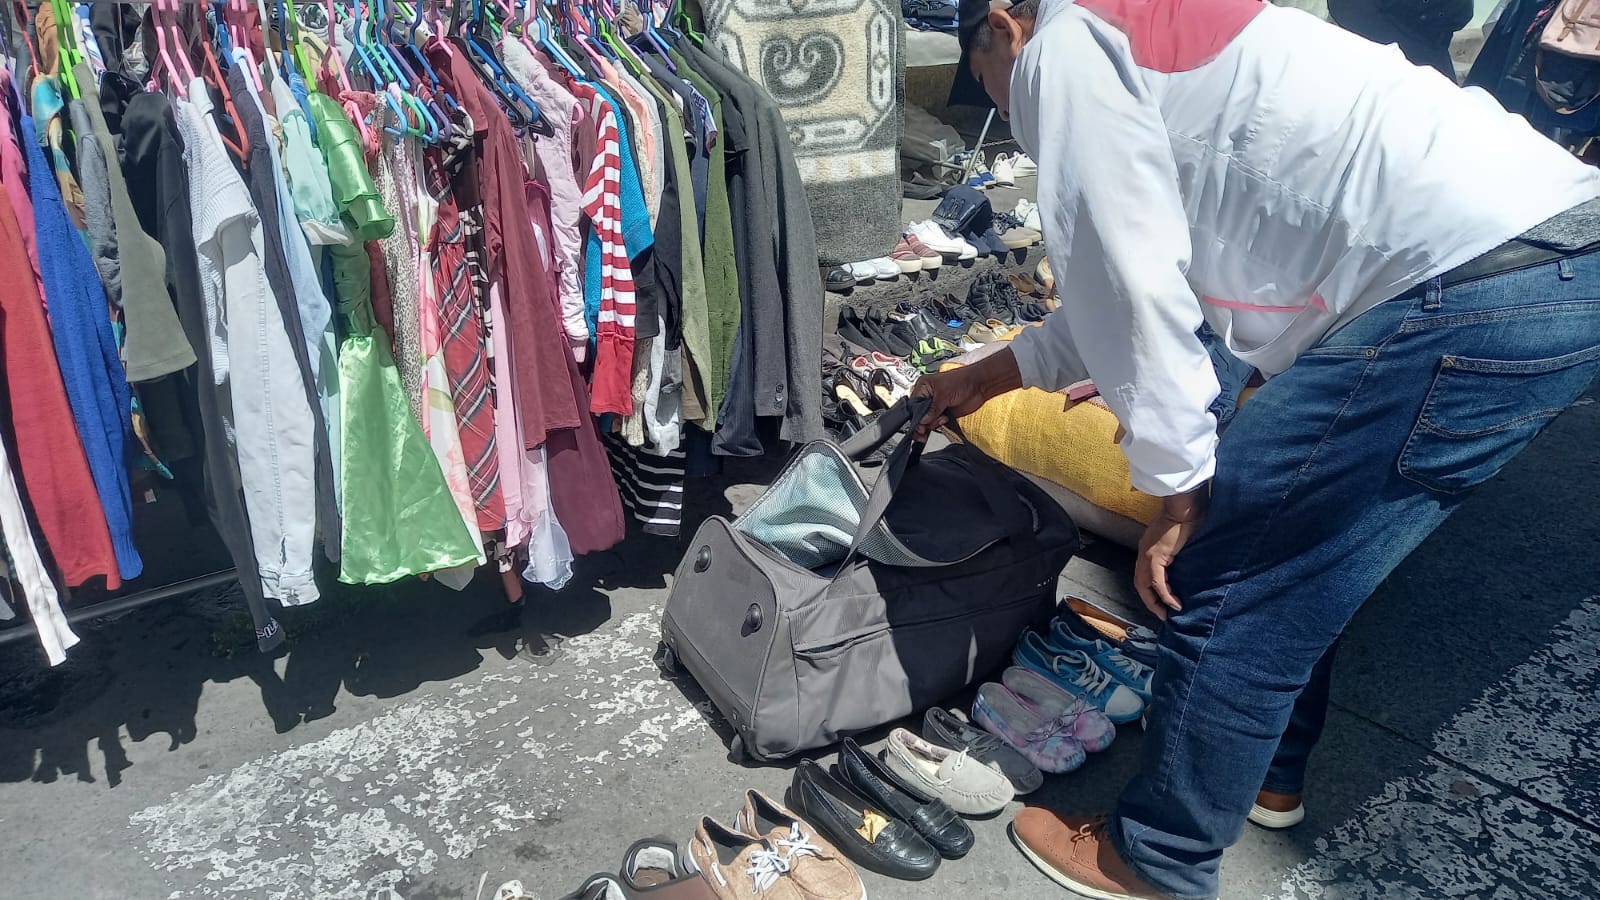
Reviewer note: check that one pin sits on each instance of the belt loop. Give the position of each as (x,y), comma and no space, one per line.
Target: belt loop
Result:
(1564,268)
(1432,294)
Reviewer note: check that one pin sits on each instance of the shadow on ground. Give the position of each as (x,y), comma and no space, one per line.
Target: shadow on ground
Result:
(145,671)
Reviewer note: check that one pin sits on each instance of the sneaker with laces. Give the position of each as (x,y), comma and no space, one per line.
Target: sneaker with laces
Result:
(1065,635)
(816,867)
(1004,172)
(1027,212)
(737,866)
(1079,673)
(1076,853)
(1023,165)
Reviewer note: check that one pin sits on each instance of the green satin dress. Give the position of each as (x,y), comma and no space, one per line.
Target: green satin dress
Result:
(399,517)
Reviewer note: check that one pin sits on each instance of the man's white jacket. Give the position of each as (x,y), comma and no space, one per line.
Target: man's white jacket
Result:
(1255,167)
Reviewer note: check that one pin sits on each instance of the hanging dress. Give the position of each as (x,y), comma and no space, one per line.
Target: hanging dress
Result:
(399,516)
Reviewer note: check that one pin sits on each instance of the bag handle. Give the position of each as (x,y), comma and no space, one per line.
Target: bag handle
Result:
(903,416)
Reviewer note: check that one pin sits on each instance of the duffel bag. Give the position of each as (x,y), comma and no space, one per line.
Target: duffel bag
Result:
(828,609)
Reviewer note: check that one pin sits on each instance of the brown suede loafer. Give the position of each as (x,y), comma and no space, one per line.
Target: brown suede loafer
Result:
(1077,854)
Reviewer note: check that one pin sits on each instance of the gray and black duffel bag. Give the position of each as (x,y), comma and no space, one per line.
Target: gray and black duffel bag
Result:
(828,609)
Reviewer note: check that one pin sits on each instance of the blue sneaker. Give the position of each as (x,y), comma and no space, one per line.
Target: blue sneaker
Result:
(1066,634)
(1077,672)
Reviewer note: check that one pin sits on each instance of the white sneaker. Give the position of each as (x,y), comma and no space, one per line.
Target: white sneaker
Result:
(1275,820)
(1022,165)
(1004,171)
(863,272)
(1028,212)
(884,268)
(969,250)
(935,238)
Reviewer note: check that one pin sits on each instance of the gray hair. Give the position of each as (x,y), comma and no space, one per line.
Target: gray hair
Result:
(1022,9)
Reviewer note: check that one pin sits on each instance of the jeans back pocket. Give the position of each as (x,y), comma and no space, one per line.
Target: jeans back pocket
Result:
(1479,413)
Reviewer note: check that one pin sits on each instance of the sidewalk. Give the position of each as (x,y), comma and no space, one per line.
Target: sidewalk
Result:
(414,739)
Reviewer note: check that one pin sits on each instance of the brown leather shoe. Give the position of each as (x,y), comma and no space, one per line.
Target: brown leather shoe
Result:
(1077,854)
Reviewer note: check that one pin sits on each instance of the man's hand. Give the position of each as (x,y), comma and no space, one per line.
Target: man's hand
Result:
(959,392)
(1179,518)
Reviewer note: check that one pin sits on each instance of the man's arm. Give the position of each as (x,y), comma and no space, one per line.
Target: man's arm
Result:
(1118,239)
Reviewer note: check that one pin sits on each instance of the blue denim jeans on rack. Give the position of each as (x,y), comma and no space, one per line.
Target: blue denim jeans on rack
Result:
(1326,480)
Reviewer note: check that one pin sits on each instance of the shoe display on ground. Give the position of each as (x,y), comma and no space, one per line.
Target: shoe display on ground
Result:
(1076,853)
(817,868)
(736,866)
(936,239)
(1090,725)
(951,729)
(905,376)
(1004,171)
(1027,212)
(606,887)
(654,868)
(1020,238)
(869,836)
(931,258)
(989,332)
(1068,633)
(929,770)
(1277,811)
(1079,673)
(906,258)
(839,280)
(1044,275)
(884,268)
(1022,166)
(1046,742)
(933,819)
(863,272)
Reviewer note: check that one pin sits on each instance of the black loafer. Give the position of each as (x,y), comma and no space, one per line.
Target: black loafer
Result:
(948,730)
(934,820)
(870,836)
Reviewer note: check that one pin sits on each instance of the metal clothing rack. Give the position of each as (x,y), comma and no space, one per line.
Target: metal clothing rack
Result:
(125,603)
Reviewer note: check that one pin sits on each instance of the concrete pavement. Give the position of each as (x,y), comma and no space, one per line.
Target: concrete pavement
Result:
(413,740)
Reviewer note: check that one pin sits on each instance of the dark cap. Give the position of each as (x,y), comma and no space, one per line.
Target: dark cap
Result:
(967,91)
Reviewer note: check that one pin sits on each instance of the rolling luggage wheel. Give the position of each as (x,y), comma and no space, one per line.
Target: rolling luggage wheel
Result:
(736,751)
(667,660)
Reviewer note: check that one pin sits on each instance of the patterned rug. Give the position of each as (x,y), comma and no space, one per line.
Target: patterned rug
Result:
(837,70)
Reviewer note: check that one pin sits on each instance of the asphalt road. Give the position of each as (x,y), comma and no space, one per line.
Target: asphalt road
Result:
(413,740)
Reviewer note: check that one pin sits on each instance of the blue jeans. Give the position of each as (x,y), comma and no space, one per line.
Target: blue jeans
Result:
(1326,480)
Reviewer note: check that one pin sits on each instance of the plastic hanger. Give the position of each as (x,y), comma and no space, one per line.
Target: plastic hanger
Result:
(166,40)
(494,74)
(67,40)
(240,146)
(430,128)
(236,30)
(548,44)
(333,68)
(416,53)
(380,79)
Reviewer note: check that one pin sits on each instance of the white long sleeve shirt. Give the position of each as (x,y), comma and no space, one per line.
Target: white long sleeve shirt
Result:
(1256,168)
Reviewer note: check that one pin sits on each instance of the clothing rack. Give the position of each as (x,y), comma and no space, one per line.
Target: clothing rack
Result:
(122,604)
